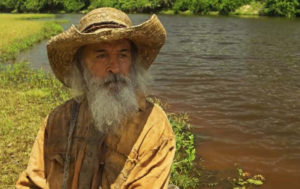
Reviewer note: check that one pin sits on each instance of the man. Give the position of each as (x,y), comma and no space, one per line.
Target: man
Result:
(109,136)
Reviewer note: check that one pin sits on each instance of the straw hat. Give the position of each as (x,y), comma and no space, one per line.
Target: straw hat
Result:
(100,25)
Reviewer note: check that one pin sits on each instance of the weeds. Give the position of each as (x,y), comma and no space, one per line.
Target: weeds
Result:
(26,97)
(244,180)
(183,172)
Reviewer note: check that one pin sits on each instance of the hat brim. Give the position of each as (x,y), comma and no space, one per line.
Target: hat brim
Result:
(148,38)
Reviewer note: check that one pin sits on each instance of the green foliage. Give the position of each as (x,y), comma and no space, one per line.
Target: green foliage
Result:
(205,6)
(26,97)
(74,5)
(288,8)
(20,76)
(183,171)
(254,8)
(200,6)
(227,6)
(245,180)
(132,5)
(101,3)
(7,5)
(12,5)
(49,29)
(34,6)
(181,5)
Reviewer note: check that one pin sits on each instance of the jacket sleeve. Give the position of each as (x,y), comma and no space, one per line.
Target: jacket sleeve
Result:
(156,154)
(33,176)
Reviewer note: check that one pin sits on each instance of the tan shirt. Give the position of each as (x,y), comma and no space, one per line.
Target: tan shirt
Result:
(138,156)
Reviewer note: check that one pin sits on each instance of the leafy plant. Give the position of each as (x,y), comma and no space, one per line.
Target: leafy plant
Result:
(183,171)
(227,6)
(181,5)
(288,8)
(245,180)
(200,6)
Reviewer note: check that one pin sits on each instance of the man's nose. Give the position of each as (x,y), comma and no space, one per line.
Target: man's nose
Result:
(114,66)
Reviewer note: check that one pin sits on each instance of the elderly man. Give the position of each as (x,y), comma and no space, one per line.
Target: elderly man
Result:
(109,136)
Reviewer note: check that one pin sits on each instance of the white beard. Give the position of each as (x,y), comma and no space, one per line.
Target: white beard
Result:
(111,100)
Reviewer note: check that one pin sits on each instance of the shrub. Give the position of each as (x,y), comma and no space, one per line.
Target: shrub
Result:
(181,5)
(288,8)
(34,5)
(101,3)
(199,6)
(74,5)
(183,171)
(227,6)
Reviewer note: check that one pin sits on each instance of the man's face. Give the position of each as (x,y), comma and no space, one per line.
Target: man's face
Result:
(111,82)
(104,58)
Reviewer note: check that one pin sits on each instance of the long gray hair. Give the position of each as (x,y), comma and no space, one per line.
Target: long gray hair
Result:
(109,110)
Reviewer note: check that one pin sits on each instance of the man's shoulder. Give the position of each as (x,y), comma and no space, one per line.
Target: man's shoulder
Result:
(158,113)
(158,121)
(157,130)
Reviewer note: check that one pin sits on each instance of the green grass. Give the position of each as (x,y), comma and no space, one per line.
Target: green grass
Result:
(167,12)
(27,96)
(20,31)
(254,8)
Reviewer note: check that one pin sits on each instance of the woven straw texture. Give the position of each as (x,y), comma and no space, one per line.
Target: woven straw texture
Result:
(149,37)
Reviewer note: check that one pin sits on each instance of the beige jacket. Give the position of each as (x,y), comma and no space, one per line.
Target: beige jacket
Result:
(139,156)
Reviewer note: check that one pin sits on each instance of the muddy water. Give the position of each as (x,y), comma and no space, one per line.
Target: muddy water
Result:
(239,79)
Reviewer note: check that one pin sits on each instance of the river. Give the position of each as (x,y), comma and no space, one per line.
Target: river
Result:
(239,80)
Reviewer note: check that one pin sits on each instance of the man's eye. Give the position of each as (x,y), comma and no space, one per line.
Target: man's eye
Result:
(123,55)
(101,56)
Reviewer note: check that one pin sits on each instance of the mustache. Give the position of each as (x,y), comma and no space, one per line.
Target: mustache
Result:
(114,79)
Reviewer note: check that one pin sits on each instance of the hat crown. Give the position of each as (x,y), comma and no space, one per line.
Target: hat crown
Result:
(105,14)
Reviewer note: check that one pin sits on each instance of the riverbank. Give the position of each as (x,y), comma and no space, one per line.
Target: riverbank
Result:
(20,31)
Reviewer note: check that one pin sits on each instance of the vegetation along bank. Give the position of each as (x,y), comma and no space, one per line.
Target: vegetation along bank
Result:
(287,8)
(18,32)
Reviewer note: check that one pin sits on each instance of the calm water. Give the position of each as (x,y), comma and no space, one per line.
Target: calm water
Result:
(239,80)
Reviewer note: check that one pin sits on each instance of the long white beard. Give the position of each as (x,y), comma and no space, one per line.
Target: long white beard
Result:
(111,100)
